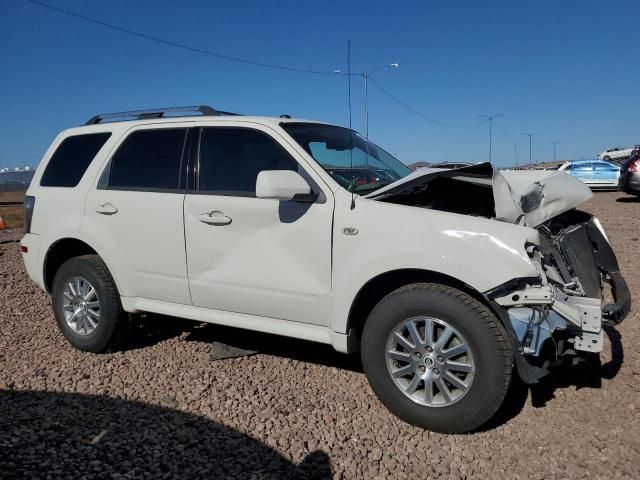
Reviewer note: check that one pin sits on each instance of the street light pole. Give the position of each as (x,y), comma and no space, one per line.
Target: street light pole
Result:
(530,135)
(555,142)
(366,105)
(366,76)
(490,118)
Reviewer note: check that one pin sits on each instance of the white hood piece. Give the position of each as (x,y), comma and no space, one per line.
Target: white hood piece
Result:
(524,197)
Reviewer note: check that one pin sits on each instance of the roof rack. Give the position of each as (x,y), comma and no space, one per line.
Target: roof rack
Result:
(205,110)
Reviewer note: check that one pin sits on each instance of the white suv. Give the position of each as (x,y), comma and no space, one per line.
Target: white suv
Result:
(443,279)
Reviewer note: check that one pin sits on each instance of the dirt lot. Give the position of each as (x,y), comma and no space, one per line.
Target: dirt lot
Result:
(163,407)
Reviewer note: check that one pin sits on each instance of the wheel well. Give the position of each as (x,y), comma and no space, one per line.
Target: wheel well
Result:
(378,287)
(60,252)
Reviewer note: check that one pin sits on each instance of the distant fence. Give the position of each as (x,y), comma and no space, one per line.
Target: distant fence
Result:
(15,181)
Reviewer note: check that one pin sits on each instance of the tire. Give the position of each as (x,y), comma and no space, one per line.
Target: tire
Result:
(100,332)
(606,158)
(488,358)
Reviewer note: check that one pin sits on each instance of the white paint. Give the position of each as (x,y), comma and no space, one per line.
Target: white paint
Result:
(276,266)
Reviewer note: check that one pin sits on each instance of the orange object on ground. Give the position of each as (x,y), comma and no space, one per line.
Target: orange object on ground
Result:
(2,224)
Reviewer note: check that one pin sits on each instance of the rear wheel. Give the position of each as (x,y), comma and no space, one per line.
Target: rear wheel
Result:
(86,303)
(607,158)
(437,358)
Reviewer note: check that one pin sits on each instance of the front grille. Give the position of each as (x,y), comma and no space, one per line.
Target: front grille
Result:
(577,249)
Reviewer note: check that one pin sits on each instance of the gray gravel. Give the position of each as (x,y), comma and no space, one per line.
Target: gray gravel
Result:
(162,407)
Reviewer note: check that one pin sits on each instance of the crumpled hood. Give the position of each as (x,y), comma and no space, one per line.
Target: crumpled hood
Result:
(524,197)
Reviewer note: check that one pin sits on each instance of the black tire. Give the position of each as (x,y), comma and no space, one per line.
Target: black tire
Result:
(93,269)
(606,158)
(486,338)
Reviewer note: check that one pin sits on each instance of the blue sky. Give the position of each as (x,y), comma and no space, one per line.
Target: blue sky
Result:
(568,70)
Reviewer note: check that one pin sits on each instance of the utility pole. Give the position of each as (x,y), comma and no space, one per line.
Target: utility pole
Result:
(515,153)
(530,135)
(555,142)
(490,118)
(366,76)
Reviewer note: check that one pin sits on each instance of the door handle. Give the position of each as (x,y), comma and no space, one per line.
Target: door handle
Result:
(215,217)
(106,209)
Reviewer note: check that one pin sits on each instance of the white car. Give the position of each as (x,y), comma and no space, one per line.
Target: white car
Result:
(447,281)
(616,153)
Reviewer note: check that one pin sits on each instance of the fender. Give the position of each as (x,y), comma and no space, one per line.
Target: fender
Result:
(52,238)
(478,252)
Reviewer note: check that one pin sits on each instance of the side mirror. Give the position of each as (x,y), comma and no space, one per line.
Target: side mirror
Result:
(283,185)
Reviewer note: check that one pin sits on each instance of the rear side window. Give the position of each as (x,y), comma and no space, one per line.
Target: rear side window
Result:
(604,167)
(148,160)
(231,158)
(71,159)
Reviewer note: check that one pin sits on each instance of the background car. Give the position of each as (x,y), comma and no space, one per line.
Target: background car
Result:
(597,174)
(616,153)
(630,175)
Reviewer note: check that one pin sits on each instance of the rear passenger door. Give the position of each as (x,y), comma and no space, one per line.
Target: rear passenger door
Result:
(135,213)
(263,257)
(605,172)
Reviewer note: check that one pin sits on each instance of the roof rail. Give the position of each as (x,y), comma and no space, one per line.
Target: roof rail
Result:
(205,110)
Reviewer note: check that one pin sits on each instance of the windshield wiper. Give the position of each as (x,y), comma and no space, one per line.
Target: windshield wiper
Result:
(370,189)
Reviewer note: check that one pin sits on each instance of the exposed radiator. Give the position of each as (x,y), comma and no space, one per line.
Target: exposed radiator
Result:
(577,249)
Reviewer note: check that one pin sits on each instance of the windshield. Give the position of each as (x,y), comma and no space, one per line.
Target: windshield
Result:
(355,163)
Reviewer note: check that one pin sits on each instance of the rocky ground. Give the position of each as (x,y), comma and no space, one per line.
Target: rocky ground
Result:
(164,406)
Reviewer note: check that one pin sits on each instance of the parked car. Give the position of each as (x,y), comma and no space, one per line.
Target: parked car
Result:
(616,153)
(444,280)
(597,174)
(630,174)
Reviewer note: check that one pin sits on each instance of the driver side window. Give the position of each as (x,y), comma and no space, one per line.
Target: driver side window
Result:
(582,167)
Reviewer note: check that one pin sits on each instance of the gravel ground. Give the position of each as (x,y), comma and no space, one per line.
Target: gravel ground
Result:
(163,406)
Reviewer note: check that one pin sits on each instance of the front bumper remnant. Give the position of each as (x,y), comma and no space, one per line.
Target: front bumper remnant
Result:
(614,313)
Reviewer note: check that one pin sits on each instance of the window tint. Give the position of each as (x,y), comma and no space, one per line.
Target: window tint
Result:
(604,167)
(581,167)
(148,160)
(71,159)
(231,158)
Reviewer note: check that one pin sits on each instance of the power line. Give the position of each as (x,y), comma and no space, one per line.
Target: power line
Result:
(504,133)
(176,44)
(419,114)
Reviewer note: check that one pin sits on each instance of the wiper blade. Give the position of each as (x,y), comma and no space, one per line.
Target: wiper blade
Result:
(371,188)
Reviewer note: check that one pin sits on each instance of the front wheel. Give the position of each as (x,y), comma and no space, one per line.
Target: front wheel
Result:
(437,358)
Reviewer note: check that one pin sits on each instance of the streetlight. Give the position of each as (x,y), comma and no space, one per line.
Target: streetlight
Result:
(530,135)
(555,142)
(366,76)
(490,118)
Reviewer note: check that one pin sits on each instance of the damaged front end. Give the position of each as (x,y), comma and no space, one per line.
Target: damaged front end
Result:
(579,291)
(559,313)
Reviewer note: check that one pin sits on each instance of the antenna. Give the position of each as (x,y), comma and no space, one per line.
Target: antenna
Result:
(353,197)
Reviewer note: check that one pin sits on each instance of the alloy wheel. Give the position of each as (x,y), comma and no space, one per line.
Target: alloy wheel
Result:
(430,361)
(81,306)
